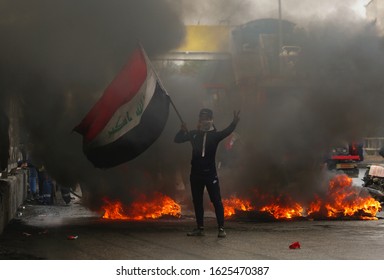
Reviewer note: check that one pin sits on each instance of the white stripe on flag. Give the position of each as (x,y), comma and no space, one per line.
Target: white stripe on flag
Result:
(128,115)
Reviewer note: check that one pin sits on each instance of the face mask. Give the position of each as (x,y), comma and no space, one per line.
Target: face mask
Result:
(206,125)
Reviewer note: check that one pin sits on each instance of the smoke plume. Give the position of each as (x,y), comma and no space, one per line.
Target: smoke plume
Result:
(57,57)
(330,100)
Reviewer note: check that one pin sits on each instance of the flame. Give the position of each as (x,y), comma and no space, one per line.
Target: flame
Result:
(284,212)
(344,200)
(314,206)
(234,204)
(143,208)
(341,200)
(276,209)
(113,210)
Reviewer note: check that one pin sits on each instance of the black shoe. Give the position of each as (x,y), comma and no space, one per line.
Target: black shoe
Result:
(196,232)
(221,233)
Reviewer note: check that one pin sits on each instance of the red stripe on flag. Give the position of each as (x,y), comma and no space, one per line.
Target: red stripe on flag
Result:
(122,89)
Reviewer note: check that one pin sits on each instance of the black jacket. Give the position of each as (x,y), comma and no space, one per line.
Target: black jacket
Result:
(204,147)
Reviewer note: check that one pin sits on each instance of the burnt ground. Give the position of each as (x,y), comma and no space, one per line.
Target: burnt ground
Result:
(49,233)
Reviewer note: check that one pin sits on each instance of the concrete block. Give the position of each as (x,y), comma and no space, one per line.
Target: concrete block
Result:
(13,193)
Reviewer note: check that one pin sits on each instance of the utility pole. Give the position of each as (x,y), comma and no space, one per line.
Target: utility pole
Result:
(280,39)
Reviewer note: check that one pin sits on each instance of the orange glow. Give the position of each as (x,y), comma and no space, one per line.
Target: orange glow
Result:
(343,200)
(143,208)
(283,212)
(314,206)
(234,204)
(113,210)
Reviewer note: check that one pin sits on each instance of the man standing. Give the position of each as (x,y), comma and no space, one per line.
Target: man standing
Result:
(204,142)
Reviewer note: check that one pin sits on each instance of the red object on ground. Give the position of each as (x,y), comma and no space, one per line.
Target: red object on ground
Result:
(294,245)
(72,237)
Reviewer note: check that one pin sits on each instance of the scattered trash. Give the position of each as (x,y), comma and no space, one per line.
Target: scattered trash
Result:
(294,245)
(72,237)
(43,232)
(26,234)
(19,214)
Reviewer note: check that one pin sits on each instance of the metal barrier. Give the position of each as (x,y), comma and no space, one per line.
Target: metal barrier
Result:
(372,145)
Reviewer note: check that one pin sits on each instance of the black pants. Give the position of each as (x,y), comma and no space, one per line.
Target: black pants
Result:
(198,184)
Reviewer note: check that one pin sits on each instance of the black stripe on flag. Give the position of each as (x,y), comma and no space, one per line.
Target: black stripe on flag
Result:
(136,140)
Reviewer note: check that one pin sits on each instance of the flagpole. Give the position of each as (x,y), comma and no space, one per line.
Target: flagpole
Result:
(170,99)
(174,107)
(158,79)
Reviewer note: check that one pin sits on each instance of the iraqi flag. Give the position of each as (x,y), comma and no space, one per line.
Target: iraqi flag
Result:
(128,118)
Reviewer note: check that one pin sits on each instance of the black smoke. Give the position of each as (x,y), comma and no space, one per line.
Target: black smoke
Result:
(332,98)
(57,57)
(287,129)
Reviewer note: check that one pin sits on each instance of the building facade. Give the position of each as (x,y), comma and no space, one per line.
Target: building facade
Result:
(375,12)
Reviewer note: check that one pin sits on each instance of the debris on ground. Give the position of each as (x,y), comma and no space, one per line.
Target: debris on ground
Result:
(295,245)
